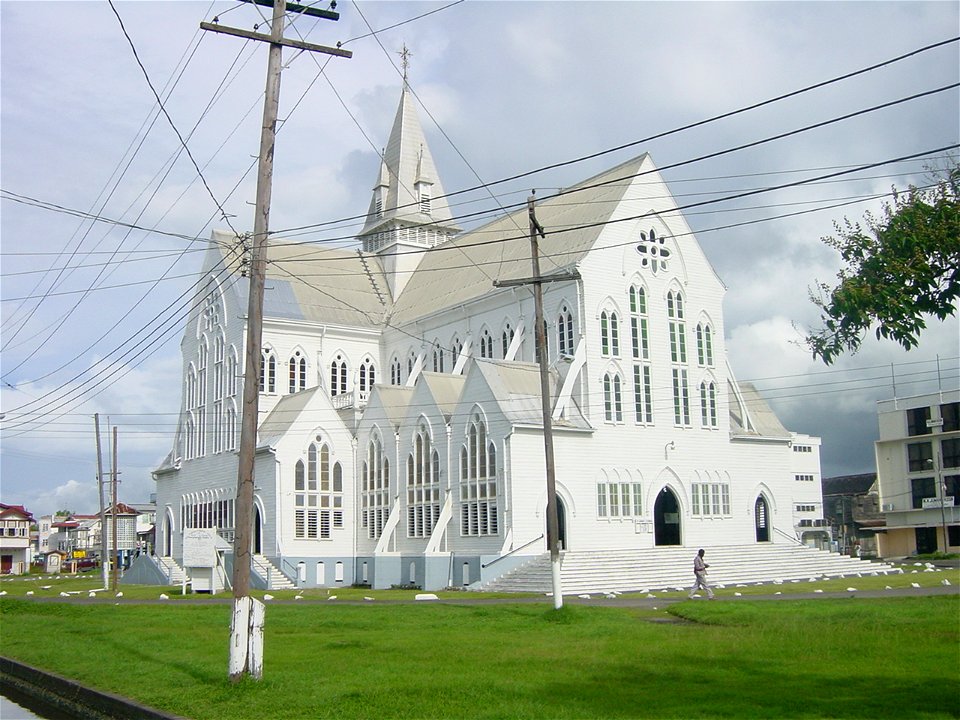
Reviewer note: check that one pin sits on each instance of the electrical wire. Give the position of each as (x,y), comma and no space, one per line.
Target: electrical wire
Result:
(667,133)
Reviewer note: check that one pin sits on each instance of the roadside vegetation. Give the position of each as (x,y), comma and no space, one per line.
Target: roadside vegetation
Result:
(798,658)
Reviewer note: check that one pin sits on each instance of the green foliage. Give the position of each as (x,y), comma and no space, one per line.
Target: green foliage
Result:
(838,658)
(899,269)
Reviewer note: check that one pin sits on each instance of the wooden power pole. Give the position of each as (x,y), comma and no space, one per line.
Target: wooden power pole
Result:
(246,629)
(553,525)
(104,551)
(113,516)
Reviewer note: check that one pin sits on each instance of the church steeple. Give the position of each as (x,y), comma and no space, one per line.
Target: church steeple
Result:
(408,207)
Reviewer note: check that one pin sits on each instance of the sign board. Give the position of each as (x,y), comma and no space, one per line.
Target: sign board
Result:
(199,548)
(934,502)
(79,554)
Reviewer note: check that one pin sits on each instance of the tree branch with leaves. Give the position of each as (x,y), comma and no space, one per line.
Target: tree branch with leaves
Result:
(899,269)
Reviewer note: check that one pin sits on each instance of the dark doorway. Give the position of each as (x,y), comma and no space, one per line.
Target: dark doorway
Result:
(926,540)
(257,532)
(761,515)
(167,550)
(666,518)
(561,526)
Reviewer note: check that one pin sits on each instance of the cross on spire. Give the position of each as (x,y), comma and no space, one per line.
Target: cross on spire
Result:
(405,56)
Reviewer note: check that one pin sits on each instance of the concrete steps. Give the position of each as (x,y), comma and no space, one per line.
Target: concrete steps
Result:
(672,567)
(272,575)
(175,574)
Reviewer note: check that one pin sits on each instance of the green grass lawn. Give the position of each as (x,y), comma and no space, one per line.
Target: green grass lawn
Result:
(891,657)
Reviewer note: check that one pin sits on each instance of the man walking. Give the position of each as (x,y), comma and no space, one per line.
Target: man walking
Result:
(700,575)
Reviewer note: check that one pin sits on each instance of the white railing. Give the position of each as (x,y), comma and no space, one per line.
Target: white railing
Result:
(355,399)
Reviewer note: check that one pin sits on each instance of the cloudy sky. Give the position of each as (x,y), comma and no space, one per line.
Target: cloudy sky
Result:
(92,311)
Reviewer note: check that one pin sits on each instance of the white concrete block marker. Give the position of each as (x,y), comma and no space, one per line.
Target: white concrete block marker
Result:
(426,596)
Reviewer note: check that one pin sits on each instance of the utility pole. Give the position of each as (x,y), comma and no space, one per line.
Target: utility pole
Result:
(113,516)
(553,525)
(246,627)
(104,571)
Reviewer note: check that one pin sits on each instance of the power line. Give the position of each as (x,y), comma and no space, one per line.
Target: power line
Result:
(673,131)
(402,22)
(223,213)
(756,143)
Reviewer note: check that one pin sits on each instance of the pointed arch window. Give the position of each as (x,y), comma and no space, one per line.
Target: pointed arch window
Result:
(395,371)
(704,345)
(368,376)
(506,338)
(678,330)
(375,489)
(297,367)
(230,429)
(437,357)
(201,406)
(219,382)
(268,371)
(479,511)
(456,349)
(612,397)
(639,324)
(609,333)
(232,372)
(565,332)
(338,376)
(486,344)
(681,397)
(708,404)
(318,496)
(423,485)
(211,309)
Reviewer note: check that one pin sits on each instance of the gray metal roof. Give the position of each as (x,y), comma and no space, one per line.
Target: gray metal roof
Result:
(446,390)
(763,421)
(319,284)
(285,415)
(516,387)
(464,268)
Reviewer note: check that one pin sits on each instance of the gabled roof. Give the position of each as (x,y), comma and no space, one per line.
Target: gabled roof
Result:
(11,512)
(516,388)
(763,421)
(394,400)
(316,284)
(463,268)
(446,390)
(285,414)
(407,161)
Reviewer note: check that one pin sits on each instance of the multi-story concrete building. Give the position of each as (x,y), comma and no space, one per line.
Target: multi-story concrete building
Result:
(918,474)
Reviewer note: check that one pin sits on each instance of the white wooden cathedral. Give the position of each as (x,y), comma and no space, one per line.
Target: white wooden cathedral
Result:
(400,436)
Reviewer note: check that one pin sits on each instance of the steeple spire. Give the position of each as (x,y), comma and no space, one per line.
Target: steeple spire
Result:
(408,207)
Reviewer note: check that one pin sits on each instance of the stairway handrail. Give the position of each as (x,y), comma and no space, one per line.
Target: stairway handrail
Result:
(789,537)
(508,554)
(296,571)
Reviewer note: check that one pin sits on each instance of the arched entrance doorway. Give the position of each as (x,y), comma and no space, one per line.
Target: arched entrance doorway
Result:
(561,525)
(761,515)
(167,549)
(257,532)
(666,518)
